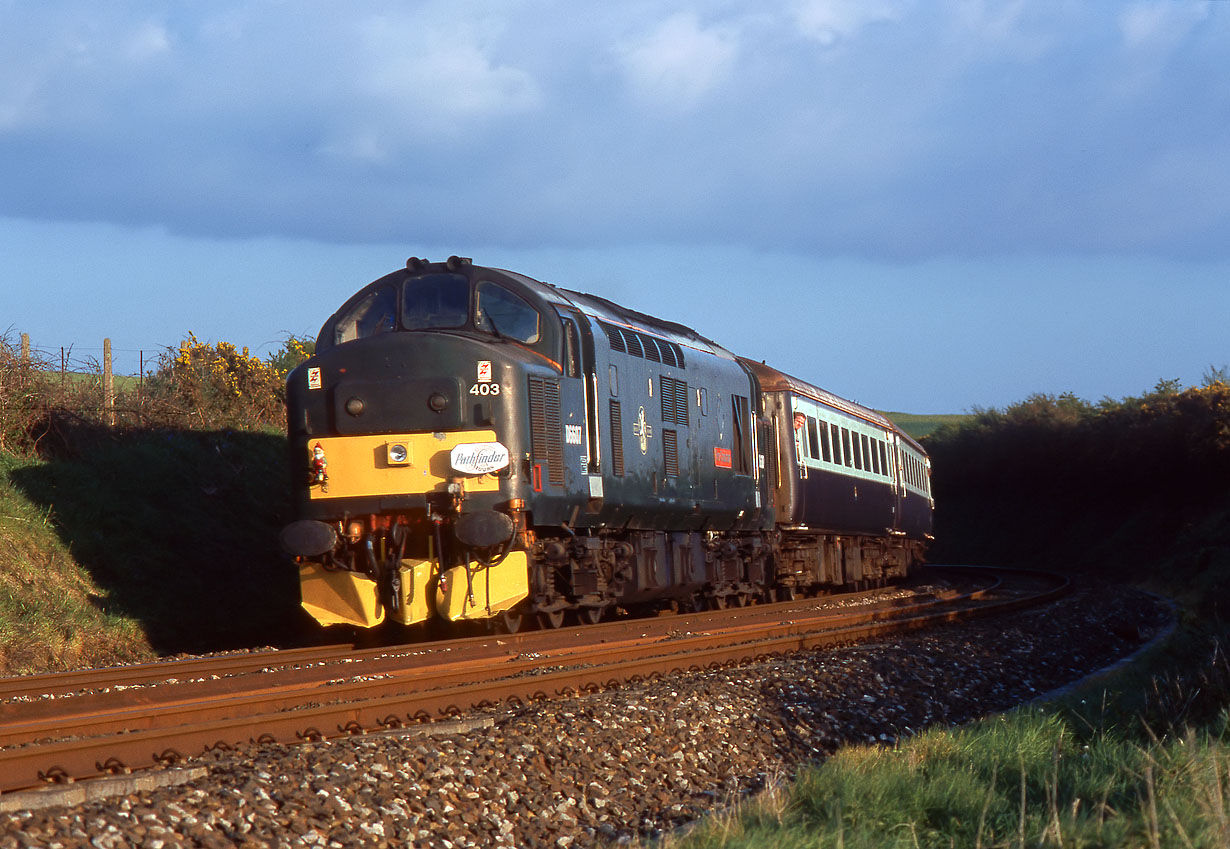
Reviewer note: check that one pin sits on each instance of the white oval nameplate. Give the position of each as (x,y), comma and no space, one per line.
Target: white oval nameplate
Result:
(478,458)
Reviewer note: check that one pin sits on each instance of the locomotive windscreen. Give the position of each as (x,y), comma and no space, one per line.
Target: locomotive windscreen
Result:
(435,301)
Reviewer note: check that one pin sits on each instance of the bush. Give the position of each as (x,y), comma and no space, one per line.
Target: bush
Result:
(216,385)
(22,393)
(200,386)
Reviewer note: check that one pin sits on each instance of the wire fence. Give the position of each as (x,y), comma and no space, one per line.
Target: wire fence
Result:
(47,391)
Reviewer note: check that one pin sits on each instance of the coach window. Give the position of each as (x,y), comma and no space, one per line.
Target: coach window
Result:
(845,446)
(435,300)
(827,452)
(499,311)
(868,459)
(858,454)
(813,438)
(833,429)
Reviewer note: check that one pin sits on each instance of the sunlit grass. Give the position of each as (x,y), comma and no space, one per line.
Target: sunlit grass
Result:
(1029,778)
(52,615)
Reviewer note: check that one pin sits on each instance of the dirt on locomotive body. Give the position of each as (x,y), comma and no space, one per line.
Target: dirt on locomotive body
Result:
(472,444)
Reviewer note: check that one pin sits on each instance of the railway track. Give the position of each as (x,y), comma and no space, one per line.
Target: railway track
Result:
(66,727)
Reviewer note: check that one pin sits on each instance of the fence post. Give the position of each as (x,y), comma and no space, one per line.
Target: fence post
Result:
(25,349)
(108,385)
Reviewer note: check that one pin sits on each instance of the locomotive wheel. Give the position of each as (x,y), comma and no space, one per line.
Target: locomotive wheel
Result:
(787,593)
(511,621)
(590,615)
(718,602)
(551,619)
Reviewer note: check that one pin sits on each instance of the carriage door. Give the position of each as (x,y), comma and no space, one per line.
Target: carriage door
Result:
(894,453)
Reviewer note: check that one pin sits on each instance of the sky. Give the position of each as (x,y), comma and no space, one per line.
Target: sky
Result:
(928,206)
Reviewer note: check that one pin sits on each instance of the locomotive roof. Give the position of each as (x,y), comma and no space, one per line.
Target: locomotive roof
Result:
(772,380)
(612,312)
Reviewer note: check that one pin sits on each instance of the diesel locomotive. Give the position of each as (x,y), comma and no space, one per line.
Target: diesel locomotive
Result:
(469,443)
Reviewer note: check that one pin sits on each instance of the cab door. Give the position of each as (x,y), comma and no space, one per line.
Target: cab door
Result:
(579,364)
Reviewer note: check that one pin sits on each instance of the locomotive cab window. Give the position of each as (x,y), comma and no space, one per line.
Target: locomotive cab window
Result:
(499,311)
(370,316)
(741,420)
(572,350)
(435,301)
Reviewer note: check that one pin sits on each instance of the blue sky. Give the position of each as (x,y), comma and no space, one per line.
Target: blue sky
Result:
(924,205)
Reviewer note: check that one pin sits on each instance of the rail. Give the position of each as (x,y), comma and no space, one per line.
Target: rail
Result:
(99,733)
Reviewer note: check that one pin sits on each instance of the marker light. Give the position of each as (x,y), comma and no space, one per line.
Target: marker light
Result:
(399,454)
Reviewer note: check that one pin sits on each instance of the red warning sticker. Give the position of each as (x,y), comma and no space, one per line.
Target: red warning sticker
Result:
(721,458)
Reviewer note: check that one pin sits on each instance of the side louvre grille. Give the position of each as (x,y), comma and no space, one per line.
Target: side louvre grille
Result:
(617,440)
(674,400)
(670,451)
(668,352)
(666,386)
(637,344)
(615,337)
(634,344)
(546,433)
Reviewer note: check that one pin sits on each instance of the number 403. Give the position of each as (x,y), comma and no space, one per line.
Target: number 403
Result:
(485,389)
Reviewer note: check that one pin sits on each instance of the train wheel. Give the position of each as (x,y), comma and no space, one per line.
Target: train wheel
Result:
(511,622)
(590,615)
(717,602)
(787,593)
(551,619)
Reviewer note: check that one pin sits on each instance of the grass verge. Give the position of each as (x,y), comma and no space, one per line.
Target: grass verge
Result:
(124,545)
(53,615)
(1097,768)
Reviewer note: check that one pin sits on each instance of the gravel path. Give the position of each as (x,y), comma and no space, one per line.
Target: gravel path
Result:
(610,766)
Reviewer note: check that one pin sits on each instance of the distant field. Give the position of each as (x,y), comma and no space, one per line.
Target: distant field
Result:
(123,382)
(919,426)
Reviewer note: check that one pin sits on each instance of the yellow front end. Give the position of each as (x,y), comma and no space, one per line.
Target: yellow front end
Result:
(338,597)
(405,464)
(397,464)
(480,592)
(335,597)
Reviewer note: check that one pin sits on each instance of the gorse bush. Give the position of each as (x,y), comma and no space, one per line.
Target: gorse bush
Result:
(216,385)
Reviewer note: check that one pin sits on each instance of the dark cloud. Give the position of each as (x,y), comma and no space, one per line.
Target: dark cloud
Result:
(898,130)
